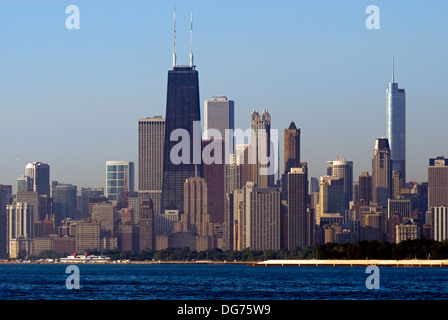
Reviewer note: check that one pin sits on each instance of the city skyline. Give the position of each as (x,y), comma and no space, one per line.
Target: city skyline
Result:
(70,116)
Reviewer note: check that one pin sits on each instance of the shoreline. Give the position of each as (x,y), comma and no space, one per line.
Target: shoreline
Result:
(269,263)
(351,263)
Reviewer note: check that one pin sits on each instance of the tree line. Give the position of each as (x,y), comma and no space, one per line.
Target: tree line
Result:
(365,249)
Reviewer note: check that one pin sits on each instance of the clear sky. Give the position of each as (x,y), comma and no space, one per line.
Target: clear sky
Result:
(72,98)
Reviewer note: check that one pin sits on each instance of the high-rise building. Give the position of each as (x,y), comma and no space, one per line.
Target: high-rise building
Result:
(40,173)
(151,140)
(291,148)
(331,196)
(87,236)
(84,196)
(396,125)
(260,157)
(119,181)
(342,168)
(439,223)
(213,169)
(297,207)
(381,172)
(365,187)
(262,217)
(183,115)
(437,182)
(104,213)
(5,199)
(64,201)
(146,224)
(19,228)
(219,114)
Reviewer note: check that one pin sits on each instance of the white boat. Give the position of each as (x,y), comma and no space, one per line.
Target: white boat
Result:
(85,259)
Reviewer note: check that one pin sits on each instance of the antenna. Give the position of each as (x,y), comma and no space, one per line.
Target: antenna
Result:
(191,40)
(174,38)
(393,71)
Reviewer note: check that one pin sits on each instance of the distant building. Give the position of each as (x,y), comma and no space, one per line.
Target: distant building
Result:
(331,196)
(365,187)
(440,223)
(64,201)
(151,140)
(219,115)
(381,172)
(396,126)
(437,182)
(297,207)
(20,225)
(104,213)
(119,181)
(87,236)
(342,168)
(407,231)
(39,172)
(291,147)
(146,224)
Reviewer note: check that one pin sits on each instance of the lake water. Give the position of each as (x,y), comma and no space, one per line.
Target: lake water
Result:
(218,282)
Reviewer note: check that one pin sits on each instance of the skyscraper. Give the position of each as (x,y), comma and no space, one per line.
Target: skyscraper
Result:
(291,147)
(297,205)
(381,173)
(151,139)
(365,187)
(342,168)
(219,114)
(119,181)
(19,228)
(40,173)
(182,111)
(437,182)
(64,201)
(396,125)
(331,196)
(260,149)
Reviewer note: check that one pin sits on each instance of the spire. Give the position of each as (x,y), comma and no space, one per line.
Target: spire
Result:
(174,38)
(191,40)
(393,71)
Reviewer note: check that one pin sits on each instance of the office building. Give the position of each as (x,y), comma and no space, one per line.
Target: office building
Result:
(182,112)
(342,168)
(439,223)
(381,173)
(119,181)
(437,182)
(291,147)
(20,223)
(151,140)
(64,198)
(87,236)
(262,215)
(365,187)
(260,153)
(297,207)
(104,213)
(146,224)
(5,199)
(219,115)
(39,172)
(396,126)
(331,196)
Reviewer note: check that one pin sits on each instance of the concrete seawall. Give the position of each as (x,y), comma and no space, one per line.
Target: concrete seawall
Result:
(350,263)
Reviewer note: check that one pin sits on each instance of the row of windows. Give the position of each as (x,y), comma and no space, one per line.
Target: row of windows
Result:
(117,168)
(114,175)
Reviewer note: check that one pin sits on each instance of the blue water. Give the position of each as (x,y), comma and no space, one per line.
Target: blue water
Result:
(218,282)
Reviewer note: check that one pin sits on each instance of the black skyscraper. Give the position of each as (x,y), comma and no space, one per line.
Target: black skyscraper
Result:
(182,110)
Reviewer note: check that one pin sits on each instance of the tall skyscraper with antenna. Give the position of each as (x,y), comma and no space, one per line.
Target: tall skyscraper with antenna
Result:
(182,111)
(396,125)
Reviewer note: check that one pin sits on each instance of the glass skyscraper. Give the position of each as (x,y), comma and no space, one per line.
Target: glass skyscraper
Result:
(119,181)
(182,110)
(396,126)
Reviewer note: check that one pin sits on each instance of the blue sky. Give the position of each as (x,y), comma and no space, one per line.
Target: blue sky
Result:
(72,98)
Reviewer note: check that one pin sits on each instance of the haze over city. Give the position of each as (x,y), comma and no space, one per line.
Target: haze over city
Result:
(72,98)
